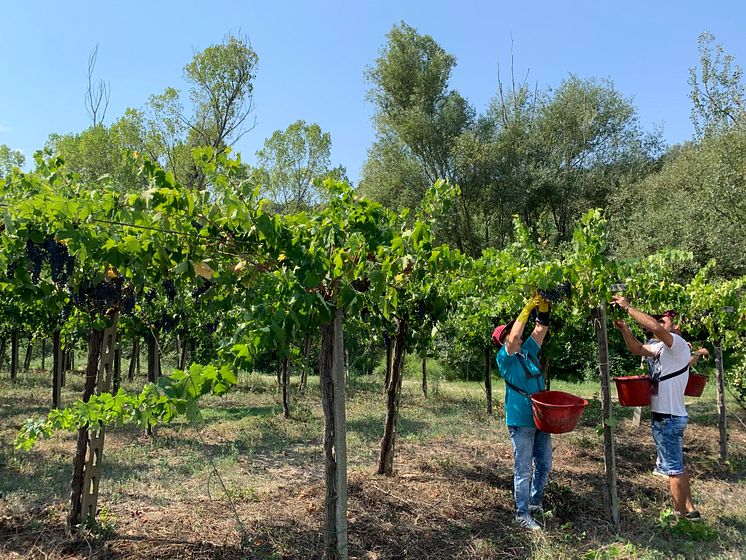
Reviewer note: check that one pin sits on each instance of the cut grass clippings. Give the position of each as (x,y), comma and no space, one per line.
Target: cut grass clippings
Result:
(451,496)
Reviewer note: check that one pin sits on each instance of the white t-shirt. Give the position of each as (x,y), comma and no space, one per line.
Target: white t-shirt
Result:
(670,397)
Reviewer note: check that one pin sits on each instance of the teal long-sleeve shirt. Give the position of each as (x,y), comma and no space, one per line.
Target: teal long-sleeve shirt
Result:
(518,410)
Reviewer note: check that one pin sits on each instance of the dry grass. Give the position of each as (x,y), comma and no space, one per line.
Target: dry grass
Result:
(451,496)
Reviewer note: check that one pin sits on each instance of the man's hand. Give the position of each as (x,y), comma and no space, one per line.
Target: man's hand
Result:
(621,325)
(702,353)
(621,301)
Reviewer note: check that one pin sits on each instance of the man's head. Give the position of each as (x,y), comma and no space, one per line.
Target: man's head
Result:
(666,319)
(501,333)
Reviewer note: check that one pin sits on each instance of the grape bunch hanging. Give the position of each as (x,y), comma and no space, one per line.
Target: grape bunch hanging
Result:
(170,289)
(560,292)
(201,289)
(61,263)
(99,297)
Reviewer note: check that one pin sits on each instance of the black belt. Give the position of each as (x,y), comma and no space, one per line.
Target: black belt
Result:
(657,416)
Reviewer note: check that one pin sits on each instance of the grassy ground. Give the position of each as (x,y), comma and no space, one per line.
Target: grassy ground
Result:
(163,497)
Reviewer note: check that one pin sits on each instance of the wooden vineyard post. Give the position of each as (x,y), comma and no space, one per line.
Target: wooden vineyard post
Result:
(29,353)
(722,419)
(488,378)
(285,377)
(14,356)
(117,380)
(57,365)
(134,357)
(611,500)
(92,472)
(331,379)
(424,377)
(340,434)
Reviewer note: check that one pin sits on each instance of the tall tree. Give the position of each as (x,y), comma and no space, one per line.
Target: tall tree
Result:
(9,158)
(97,95)
(291,164)
(695,203)
(591,141)
(718,94)
(419,121)
(220,100)
(221,90)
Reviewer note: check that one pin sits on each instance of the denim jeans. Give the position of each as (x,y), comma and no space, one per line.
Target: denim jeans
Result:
(668,435)
(531,447)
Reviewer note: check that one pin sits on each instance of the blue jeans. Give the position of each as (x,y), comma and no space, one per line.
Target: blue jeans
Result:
(668,434)
(531,447)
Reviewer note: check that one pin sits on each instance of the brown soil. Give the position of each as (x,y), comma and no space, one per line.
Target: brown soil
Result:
(450,498)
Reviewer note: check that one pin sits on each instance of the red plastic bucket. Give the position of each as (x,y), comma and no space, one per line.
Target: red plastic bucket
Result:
(556,412)
(695,385)
(633,390)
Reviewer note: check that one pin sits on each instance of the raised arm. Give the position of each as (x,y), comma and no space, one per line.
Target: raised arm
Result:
(633,345)
(697,354)
(542,321)
(645,321)
(513,340)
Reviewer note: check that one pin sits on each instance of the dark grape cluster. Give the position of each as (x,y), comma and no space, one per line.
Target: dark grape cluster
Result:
(170,288)
(36,254)
(166,323)
(150,295)
(556,294)
(128,304)
(61,263)
(11,270)
(99,297)
(66,312)
(199,290)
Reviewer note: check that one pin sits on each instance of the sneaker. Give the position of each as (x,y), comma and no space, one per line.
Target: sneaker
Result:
(527,522)
(693,516)
(658,472)
(536,510)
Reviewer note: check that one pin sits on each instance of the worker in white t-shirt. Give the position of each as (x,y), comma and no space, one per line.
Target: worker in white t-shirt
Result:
(669,356)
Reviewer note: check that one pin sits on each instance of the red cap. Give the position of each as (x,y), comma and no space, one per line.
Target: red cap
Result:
(499,334)
(670,313)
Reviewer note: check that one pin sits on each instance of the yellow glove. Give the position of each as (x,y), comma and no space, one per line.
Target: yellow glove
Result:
(543,306)
(529,307)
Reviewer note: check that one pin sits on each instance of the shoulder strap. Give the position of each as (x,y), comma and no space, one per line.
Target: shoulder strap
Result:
(674,374)
(522,360)
(516,389)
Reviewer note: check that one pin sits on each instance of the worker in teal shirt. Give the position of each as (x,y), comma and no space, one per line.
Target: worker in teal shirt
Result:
(519,366)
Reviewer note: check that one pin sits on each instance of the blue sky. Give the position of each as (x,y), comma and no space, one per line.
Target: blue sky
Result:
(312,56)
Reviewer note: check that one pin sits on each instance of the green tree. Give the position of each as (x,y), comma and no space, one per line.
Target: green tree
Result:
(694,203)
(292,164)
(220,100)
(9,158)
(591,141)
(512,122)
(221,91)
(718,95)
(419,121)
(547,156)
